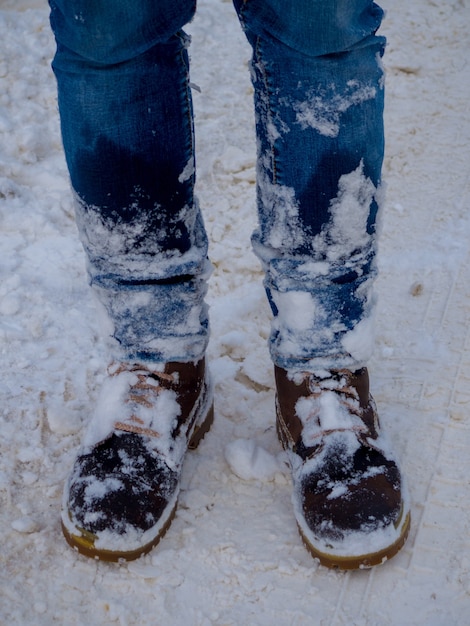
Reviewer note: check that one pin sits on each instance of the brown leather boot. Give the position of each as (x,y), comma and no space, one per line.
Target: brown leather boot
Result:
(348,496)
(121,495)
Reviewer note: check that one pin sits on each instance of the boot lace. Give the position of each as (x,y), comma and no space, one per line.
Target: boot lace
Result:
(144,392)
(331,407)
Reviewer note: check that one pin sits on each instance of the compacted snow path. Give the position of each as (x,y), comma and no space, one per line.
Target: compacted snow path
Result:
(233,555)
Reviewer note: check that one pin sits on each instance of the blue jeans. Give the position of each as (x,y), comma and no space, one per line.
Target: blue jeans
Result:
(125,107)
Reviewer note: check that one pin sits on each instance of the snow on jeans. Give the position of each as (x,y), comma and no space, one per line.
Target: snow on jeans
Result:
(125,106)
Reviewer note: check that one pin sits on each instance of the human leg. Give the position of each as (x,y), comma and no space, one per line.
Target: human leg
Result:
(126,117)
(319,117)
(320,136)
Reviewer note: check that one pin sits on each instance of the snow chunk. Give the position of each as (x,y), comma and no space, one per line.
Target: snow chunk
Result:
(188,171)
(27,454)
(61,420)
(347,229)
(236,160)
(360,341)
(297,310)
(25,525)
(250,461)
(323,109)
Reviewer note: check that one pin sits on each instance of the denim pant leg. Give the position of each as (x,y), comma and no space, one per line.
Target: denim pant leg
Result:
(126,115)
(316,71)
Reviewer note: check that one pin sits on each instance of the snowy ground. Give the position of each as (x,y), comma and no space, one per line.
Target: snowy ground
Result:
(233,555)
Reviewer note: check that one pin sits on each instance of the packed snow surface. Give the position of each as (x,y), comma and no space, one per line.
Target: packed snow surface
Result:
(233,555)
